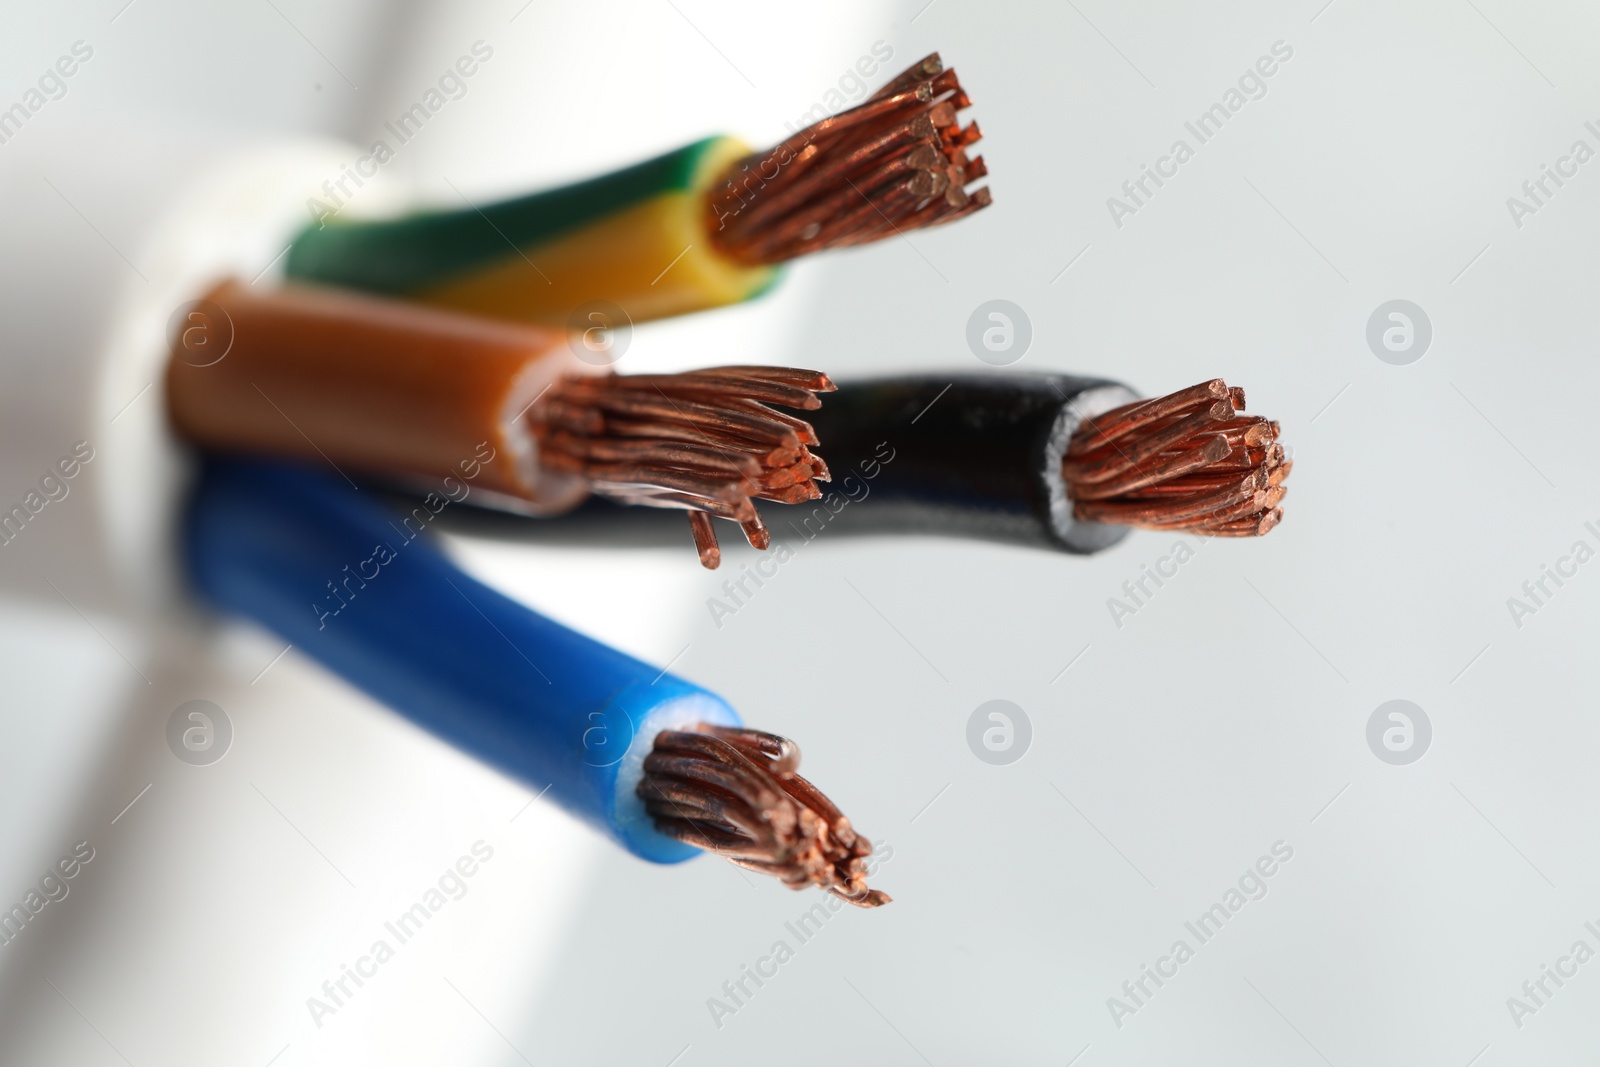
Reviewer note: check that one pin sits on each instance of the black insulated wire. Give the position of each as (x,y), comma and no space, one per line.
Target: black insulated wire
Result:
(968,455)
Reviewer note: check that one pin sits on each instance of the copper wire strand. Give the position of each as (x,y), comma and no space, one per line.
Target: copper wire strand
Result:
(893,163)
(1185,461)
(736,792)
(706,441)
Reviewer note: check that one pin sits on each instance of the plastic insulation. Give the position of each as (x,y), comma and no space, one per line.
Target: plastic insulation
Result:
(636,238)
(373,385)
(323,566)
(975,456)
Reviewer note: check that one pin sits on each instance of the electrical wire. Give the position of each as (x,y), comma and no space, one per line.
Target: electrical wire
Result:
(700,227)
(1046,459)
(657,763)
(507,412)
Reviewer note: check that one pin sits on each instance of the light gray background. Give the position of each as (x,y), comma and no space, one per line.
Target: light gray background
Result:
(1226,715)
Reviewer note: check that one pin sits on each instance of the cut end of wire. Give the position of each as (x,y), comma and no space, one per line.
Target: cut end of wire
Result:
(734,792)
(1186,461)
(896,162)
(709,442)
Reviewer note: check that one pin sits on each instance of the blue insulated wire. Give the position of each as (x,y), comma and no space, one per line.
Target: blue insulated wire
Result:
(350,584)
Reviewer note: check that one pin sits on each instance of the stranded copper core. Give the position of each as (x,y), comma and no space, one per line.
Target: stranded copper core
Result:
(896,162)
(711,442)
(1190,460)
(735,792)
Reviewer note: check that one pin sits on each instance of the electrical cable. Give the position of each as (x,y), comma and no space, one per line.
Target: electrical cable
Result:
(439,399)
(1056,460)
(657,763)
(700,227)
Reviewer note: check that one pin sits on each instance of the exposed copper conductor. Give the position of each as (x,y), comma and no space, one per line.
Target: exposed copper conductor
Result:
(735,792)
(1186,461)
(706,441)
(896,162)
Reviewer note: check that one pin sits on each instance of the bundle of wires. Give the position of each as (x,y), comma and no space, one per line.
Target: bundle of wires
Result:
(462,406)
(657,763)
(700,227)
(456,372)
(410,395)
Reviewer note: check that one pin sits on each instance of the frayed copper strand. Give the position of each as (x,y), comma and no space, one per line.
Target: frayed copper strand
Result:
(896,162)
(736,792)
(704,441)
(1185,461)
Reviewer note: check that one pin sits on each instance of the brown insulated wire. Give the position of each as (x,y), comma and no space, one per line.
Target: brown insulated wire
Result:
(380,387)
